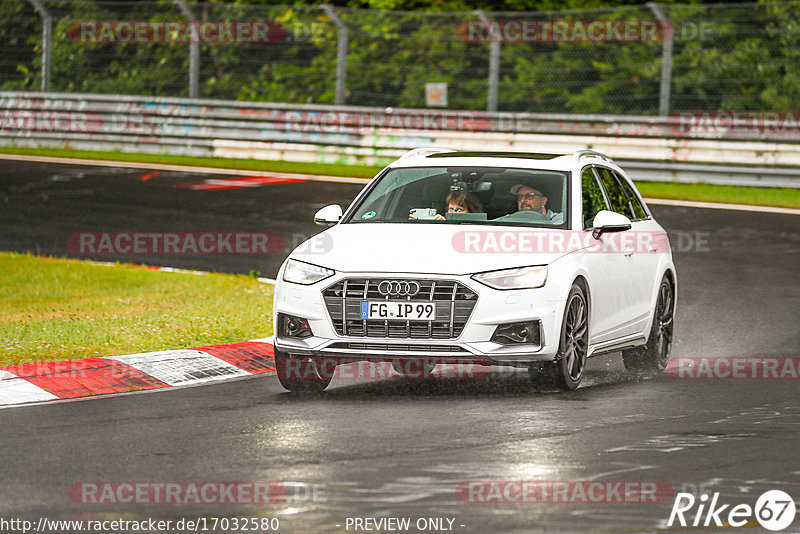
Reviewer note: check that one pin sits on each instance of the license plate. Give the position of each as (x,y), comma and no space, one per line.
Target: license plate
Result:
(398,311)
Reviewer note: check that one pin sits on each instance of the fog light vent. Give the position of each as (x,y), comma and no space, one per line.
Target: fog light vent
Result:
(291,326)
(517,333)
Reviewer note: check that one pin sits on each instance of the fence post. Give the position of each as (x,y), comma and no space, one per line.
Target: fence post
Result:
(494,62)
(666,61)
(194,50)
(47,32)
(341,53)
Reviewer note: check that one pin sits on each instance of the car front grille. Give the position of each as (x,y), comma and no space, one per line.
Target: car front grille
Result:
(454,304)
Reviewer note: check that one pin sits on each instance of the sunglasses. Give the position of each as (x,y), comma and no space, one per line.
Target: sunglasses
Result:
(529,196)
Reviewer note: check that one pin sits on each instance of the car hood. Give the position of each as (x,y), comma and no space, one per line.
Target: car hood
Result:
(422,248)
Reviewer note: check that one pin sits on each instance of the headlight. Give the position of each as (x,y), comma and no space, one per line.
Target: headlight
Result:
(518,278)
(299,272)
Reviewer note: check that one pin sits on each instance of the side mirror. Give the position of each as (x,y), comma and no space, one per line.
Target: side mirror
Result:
(329,215)
(609,221)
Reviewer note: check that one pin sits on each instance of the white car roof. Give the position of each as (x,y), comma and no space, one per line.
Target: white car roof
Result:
(521,160)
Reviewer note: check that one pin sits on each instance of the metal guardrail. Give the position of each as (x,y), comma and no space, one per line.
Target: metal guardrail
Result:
(654,148)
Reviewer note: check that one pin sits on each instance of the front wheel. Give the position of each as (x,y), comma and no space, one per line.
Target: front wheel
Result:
(301,374)
(566,371)
(654,355)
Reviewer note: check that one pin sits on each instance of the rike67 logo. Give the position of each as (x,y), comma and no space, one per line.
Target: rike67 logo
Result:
(774,510)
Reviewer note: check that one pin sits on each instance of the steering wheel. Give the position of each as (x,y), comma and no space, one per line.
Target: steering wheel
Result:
(525,216)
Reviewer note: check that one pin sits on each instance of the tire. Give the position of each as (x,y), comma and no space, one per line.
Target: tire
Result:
(301,374)
(654,355)
(414,367)
(566,371)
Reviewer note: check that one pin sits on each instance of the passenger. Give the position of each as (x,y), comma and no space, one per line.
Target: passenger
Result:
(459,202)
(530,199)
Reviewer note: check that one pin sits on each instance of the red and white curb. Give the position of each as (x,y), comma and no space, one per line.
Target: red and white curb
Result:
(50,381)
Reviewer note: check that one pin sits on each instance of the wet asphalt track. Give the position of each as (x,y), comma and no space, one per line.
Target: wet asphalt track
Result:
(401,448)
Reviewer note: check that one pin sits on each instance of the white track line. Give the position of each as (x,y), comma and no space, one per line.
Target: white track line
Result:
(721,206)
(183,168)
(261,279)
(342,179)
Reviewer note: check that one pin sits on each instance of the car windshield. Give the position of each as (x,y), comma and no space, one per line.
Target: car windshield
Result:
(466,195)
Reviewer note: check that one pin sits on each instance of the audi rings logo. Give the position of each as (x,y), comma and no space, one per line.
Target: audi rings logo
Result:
(398,288)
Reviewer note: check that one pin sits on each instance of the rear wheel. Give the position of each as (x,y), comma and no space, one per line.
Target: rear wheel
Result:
(654,355)
(302,374)
(566,371)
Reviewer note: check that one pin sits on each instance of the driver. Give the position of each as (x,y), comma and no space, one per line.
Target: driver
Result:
(530,199)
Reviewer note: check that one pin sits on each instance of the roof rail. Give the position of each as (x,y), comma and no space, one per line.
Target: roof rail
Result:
(425,151)
(580,153)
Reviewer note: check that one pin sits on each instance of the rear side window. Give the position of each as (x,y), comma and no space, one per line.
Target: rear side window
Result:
(593,200)
(635,203)
(616,195)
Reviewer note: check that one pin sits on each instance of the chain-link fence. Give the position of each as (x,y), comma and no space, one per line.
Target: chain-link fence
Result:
(642,60)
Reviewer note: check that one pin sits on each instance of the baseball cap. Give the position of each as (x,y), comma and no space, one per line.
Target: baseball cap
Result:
(517,187)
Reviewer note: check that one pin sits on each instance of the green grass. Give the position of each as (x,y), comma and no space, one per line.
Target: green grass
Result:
(330,169)
(760,196)
(60,309)
(729,194)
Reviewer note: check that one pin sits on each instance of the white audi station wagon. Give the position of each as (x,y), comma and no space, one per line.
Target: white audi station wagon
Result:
(528,260)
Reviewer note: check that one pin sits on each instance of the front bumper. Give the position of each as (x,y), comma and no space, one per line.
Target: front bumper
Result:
(492,308)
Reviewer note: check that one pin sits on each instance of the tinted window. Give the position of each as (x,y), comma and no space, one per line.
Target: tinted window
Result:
(593,200)
(616,196)
(636,204)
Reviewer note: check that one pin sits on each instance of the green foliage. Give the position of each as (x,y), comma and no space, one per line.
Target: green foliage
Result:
(593,200)
(20,33)
(727,57)
(746,61)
